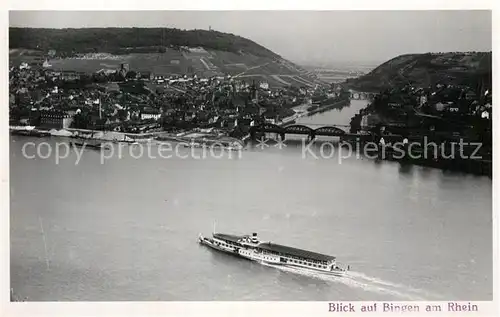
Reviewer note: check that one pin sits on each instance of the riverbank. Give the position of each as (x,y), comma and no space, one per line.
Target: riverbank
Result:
(482,165)
(199,139)
(193,137)
(336,105)
(105,136)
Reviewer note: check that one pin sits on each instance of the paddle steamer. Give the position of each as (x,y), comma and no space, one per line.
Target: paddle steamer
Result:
(250,247)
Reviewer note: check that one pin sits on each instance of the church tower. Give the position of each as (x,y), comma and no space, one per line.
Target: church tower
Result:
(254,93)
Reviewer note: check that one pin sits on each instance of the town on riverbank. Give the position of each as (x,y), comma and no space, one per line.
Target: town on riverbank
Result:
(435,119)
(125,105)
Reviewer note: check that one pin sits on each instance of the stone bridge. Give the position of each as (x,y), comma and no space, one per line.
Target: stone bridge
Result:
(356,95)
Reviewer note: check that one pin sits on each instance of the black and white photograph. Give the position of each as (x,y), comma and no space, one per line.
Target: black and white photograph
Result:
(251,155)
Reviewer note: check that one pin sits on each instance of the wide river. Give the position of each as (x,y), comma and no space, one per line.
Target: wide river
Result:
(127,229)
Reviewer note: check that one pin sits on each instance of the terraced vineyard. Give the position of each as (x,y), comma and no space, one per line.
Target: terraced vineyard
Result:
(159,50)
(277,72)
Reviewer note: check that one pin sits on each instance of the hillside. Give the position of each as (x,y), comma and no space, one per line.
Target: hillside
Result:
(159,50)
(469,68)
(126,40)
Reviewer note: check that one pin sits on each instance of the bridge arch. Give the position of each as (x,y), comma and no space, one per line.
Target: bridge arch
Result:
(329,131)
(298,129)
(360,95)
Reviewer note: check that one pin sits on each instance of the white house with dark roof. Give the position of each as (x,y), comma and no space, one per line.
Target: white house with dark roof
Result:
(150,113)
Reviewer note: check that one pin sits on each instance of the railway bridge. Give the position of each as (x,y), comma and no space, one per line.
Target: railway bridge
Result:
(303,129)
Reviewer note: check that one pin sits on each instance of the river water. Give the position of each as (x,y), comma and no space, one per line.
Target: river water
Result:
(127,229)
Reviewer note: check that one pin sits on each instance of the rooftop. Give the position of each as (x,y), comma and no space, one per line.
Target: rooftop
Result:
(279,248)
(295,252)
(228,237)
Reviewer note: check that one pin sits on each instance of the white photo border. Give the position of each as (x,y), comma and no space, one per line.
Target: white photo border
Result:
(215,308)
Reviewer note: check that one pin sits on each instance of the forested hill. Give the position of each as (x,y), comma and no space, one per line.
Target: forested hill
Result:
(126,40)
(161,51)
(459,68)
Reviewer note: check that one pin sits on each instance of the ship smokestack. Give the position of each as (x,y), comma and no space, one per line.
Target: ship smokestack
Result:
(254,238)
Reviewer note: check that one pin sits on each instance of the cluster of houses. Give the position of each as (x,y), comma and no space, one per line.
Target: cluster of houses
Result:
(452,101)
(442,100)
(131,101)
(448,103)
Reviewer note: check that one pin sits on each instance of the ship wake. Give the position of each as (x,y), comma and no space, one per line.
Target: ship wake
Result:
(365,282)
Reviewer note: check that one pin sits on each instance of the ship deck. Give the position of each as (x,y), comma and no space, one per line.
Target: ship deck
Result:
(285,250)
(228,237)
(278,248)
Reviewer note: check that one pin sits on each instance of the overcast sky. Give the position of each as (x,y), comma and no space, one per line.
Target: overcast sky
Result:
(304,36)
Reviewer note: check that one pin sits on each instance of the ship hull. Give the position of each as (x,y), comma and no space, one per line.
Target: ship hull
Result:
(210,243)
(311,270)
(276,261)
(248,254)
